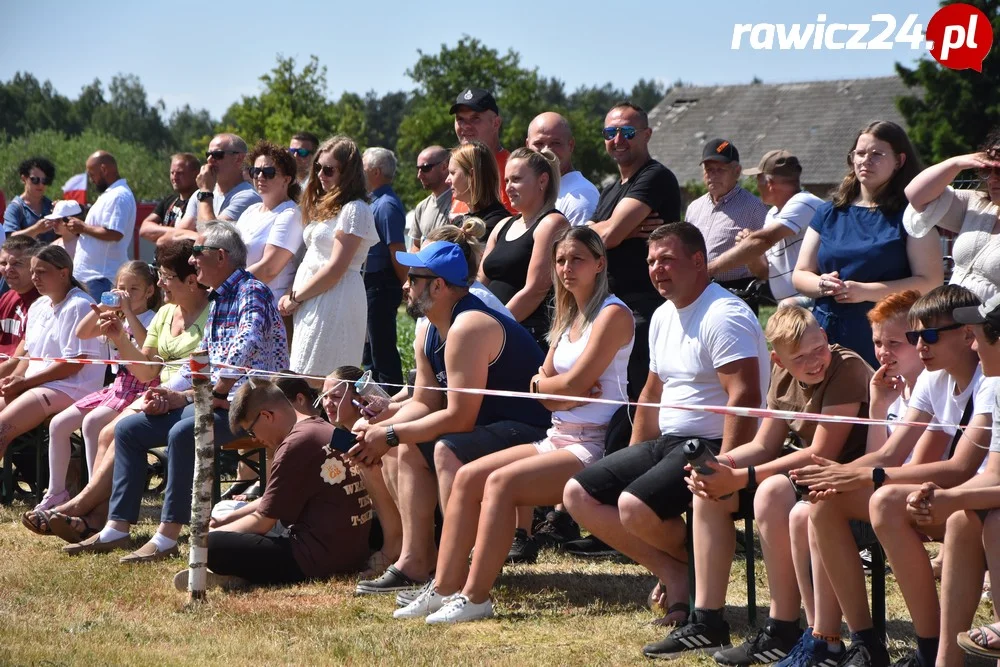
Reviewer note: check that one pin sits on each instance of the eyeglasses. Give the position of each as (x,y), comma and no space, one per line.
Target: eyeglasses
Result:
(414,277)
(35,180)
(249,428)
(627,131)
(930,336)
(300,152)
(218,155)
(198,250)
(267,172)
(165,276)
(861,156)
(984,174)
(327,171)
(424,168)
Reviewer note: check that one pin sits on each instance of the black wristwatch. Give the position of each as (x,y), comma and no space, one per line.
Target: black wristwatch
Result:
(219,395)
(878,477)
(391,438)
(205,196)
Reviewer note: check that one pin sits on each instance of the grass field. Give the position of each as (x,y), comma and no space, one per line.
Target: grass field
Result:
(89,610)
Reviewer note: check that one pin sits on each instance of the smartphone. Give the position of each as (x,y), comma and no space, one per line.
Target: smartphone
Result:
(342,440)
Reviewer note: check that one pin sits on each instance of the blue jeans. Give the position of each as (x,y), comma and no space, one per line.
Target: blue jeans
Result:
(381,355)
(137,434)
(96,287)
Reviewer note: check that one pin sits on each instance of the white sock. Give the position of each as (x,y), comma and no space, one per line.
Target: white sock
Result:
(110,534)
(162,542)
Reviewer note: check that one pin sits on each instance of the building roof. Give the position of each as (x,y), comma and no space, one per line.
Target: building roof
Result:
(814,120)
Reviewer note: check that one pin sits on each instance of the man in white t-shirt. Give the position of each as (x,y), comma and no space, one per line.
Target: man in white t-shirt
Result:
(706,349)
(952,391)
(577,196)
(104,238)
(771,252)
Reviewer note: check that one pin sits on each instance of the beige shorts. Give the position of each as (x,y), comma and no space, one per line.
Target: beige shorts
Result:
(584,441)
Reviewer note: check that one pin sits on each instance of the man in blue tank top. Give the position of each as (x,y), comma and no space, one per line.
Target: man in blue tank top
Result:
(466,346)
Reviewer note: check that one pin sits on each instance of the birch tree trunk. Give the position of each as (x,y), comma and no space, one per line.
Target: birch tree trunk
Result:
(204,464)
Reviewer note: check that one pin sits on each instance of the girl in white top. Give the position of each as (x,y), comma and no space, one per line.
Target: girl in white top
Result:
(590,341)
(272,229)
(39,389)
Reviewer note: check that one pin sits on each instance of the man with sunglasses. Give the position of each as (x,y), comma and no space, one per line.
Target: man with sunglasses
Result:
(465,345)
(577,196)
(303,146)
(477,118)
(929,448)
(222,192)
(105,236)
(433,211)
(724,211)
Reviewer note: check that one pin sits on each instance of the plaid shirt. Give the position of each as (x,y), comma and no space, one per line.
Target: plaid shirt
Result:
(721,221)
(244,328)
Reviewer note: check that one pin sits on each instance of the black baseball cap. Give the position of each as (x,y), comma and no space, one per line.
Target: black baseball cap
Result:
(476,99)
(720,150)
(988,312)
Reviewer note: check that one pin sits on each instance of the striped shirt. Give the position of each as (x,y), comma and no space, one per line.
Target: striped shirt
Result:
(721,221)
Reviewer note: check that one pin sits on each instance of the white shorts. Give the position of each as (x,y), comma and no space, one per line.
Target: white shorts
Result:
(584,441)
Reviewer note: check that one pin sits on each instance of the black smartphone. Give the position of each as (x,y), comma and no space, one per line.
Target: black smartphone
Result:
(342,440)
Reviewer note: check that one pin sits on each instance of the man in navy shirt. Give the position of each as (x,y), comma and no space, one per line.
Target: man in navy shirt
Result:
(384,276)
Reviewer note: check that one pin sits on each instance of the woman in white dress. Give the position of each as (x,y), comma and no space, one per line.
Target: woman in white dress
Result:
(327,298)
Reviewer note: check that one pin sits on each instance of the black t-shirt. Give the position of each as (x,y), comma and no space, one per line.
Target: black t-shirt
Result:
(655,186)
(170,209)
(491,217)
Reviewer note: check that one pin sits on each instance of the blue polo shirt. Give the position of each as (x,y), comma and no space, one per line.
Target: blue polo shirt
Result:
(390,220)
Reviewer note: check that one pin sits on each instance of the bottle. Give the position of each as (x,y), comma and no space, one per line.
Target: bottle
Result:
(698,455)
(376,398)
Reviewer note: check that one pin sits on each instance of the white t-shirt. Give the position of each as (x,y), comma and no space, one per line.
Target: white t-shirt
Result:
(115,210)
(687,345)
(995,438)
(51,333)
(577,198)
(281,227)
(934,393)
(796,215)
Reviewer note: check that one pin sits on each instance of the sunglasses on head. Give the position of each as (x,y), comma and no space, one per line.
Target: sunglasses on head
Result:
(199,250)
(300,152)
(327,171)
(218,155)
(35,180)
(267,172)
(424,168)
(627,131)
(930,336)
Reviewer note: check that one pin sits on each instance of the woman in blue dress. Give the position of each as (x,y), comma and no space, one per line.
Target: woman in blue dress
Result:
(856,250)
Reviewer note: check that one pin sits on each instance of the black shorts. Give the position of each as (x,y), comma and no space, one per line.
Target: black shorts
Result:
(652,471)
(484,440)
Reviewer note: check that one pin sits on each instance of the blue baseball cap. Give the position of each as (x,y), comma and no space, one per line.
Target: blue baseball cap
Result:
(442,258)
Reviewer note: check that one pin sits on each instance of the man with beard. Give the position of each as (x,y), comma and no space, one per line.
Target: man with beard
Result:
(105,236)
(184,168)
(467,346)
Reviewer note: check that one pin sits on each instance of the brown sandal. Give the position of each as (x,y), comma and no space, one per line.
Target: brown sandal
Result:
(37,521)
(980,645)
(62,526)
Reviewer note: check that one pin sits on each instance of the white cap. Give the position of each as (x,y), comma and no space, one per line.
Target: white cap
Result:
(64,208)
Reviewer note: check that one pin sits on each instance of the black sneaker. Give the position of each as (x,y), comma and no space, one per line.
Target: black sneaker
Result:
(909,661)
(391,581)
(589,547)
(763,649)
(556,530)
(863,655)
(688,640)
(524,549)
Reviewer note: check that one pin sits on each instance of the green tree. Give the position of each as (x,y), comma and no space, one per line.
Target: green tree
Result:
(952,111)
(647,93)
(129,116)
(27,105)
(191,130)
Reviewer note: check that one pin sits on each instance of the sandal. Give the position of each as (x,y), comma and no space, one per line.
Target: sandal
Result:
(37,521)
(66,528)
(675,608)
(980,644)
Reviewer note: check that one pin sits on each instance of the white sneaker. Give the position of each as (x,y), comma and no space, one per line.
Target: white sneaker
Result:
(460,609)
(427,602)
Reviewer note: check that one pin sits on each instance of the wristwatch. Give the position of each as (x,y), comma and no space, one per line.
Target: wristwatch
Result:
(878,477)
(391,438)
(219,395)
(205,195)
(189,399)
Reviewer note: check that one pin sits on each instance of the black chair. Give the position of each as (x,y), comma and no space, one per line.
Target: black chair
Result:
(244,450)
(17,464)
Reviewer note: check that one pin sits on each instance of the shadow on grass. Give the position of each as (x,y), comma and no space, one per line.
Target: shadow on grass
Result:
(531,594)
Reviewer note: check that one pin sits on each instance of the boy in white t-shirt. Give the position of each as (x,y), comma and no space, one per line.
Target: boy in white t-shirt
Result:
(874,488)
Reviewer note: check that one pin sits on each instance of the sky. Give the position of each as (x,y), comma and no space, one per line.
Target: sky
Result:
(209,54)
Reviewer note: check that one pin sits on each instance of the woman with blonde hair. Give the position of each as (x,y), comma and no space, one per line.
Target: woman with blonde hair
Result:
(327,299)
(475,181)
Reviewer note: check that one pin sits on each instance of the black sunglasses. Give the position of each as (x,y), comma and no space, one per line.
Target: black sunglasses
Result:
(627,131)
(267,172)
(984,173)
(218,155)
(424,168)
(327,171)
(300,152)
(198,250)
(35,180)
(413,277)
(930,336)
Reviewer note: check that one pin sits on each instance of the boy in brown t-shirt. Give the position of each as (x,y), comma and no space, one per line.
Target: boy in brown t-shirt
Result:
(312,490)
(808,374)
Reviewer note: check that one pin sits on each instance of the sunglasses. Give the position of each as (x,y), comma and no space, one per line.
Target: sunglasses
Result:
(424,168)
(414,277)
(327,171)
(199,250)
(218,155)
(984,173)
(267,172)
(627,131)
(35,180)
(300,152)
(930,336)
